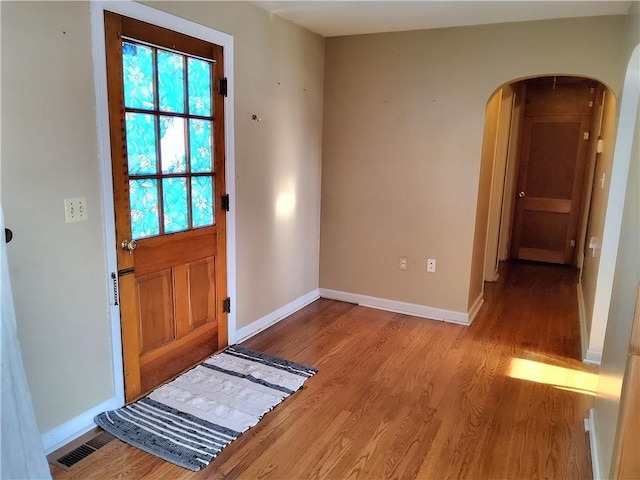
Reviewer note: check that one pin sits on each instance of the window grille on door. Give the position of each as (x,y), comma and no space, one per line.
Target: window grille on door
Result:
(169,130)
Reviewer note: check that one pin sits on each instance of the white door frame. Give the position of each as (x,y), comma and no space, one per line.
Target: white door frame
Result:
(171,22)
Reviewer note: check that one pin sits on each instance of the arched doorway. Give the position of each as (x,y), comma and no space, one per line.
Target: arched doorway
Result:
(541,144)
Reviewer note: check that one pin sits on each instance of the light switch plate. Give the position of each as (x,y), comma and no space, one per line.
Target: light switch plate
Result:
(75,209)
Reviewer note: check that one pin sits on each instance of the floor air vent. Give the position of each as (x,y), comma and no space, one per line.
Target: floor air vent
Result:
(69,459)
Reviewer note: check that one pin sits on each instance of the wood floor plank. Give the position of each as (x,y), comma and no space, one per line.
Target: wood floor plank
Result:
(403,397)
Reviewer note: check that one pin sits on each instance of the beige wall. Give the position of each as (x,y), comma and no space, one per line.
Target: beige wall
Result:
(49,152)
(403,124)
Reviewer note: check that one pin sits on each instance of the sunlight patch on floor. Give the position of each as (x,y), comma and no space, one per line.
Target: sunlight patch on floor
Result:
(560,377)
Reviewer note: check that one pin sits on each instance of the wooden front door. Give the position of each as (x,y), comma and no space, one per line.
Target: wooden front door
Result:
(553,155)
(167,132)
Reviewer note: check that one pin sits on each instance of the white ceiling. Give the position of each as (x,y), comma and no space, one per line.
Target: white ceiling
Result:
(333,18)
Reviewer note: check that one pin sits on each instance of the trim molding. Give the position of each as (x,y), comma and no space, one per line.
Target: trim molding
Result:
(413,309)
(274,317)
(582,315)
(590,426)
(70,430)
(589,355)
(475,308)
(593,357)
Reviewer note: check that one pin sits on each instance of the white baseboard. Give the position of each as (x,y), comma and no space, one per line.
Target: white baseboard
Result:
(590,426)
(593,357)
(274,317)
(582,315)
(413,309)
(70,430)
(589,356)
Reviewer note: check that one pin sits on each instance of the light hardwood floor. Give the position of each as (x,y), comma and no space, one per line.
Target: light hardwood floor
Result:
(404,397)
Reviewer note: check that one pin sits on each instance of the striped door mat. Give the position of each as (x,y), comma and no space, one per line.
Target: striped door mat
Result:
(189,420)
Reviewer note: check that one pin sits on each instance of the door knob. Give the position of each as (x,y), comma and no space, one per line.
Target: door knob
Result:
(521,194)
(128,245)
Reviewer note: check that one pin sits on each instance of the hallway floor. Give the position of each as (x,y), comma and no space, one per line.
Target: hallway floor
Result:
(404,397)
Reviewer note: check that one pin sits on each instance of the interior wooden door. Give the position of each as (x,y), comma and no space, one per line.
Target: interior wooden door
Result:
(549,189)
(555,141)
(167,131)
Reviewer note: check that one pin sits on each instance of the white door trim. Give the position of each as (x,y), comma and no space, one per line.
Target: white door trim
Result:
(165,20)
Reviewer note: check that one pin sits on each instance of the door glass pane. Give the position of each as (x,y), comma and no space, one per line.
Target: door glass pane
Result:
(141,143)
(143,201)
(200,145)
(170,82)
(174,202)
(137,72)
(202,201)
(169,149)
(172,145)
(199,73)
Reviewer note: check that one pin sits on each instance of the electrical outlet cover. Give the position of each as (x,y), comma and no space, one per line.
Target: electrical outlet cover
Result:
(431,265)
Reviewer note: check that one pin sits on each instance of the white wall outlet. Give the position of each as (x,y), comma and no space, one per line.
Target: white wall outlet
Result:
(431,265)
(403,263)
(75,209)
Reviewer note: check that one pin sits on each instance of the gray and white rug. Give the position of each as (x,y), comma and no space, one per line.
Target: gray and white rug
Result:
(189,420)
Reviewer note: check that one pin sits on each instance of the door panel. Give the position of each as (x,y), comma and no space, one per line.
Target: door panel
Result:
(168,166)
(155,304)
(545,236)
(167,251)
(201,279)
(176,357)
(550,183)
(552,156)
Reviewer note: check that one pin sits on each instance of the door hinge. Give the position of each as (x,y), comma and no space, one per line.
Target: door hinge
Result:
(226,305)
(586,135)
(224,202)
(223,86)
